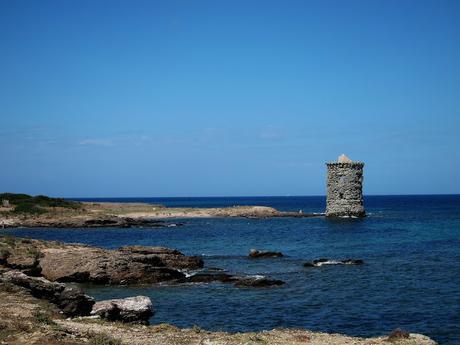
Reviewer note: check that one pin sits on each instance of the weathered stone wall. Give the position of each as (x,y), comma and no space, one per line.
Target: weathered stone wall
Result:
(345,190)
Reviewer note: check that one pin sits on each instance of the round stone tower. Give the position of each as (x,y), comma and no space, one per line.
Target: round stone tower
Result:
(345,188)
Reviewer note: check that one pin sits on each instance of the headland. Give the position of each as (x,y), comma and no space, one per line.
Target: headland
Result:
(41,211)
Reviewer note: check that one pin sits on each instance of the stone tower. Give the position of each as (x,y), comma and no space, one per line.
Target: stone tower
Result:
(345,188)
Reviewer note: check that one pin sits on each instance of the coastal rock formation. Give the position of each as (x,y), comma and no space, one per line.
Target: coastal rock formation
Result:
(26,261)
(88,264)
(87,221)
(163,256)
(254,253)
(21,255)
(257,281)
(237,281)
(323,261)
(42,211)
(72,301)
(208,277)
(137,309)
(80,263)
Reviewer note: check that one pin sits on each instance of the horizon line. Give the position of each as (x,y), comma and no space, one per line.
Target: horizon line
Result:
(250,196)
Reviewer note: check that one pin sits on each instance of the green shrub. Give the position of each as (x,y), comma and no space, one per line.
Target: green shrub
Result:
(102,339)
(196,329)
(4,253)
(7,287)
(43,318)
(24,203)
(33,252)
(9,240)
(398,334)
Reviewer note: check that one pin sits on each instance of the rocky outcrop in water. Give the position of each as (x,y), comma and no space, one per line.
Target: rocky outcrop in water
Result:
(88,222)
(79,263)
(60,262)
(254,253)
(257,282)
(137,309)
(163,257)
(209,277)
(125,266)
(72,301)
(323,261)
(236,280)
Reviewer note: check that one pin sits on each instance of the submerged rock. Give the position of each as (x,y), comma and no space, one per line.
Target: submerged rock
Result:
(72,301)
(254,253)
(256,281)
(323,261)
(137,309)
(213,275)
(208,277)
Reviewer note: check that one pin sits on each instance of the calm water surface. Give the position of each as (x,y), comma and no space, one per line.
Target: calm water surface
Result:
(411,276)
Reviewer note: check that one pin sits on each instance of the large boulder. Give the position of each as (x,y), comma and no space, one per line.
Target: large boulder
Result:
(71,300)
(254,253)
(74,302)
(79,263)
(88,264)
(163,257)
(137,309)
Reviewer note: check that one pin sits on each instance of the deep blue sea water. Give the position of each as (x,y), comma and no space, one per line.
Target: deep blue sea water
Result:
(410,279)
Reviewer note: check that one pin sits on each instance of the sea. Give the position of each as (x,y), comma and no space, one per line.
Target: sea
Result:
(410,278)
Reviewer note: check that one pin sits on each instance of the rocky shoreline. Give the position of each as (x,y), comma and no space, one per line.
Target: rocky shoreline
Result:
(39,272)
(126,215)
(27,320)
(78,263)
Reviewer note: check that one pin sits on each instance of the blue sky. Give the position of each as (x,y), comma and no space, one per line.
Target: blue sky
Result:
(205,98)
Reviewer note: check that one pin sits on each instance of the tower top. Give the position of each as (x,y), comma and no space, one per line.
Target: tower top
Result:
(344,161)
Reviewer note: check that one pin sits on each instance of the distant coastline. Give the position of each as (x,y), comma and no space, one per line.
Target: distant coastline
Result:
(41,211)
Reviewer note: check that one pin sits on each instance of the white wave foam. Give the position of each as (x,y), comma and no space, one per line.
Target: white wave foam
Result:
(329,262)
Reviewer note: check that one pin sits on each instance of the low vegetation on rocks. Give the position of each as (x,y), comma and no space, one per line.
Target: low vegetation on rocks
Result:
(27,204)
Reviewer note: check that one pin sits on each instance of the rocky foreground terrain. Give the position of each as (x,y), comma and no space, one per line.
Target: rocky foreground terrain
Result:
(26,320)
(38,306)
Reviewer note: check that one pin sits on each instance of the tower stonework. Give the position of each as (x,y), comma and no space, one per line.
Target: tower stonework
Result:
(345,188)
